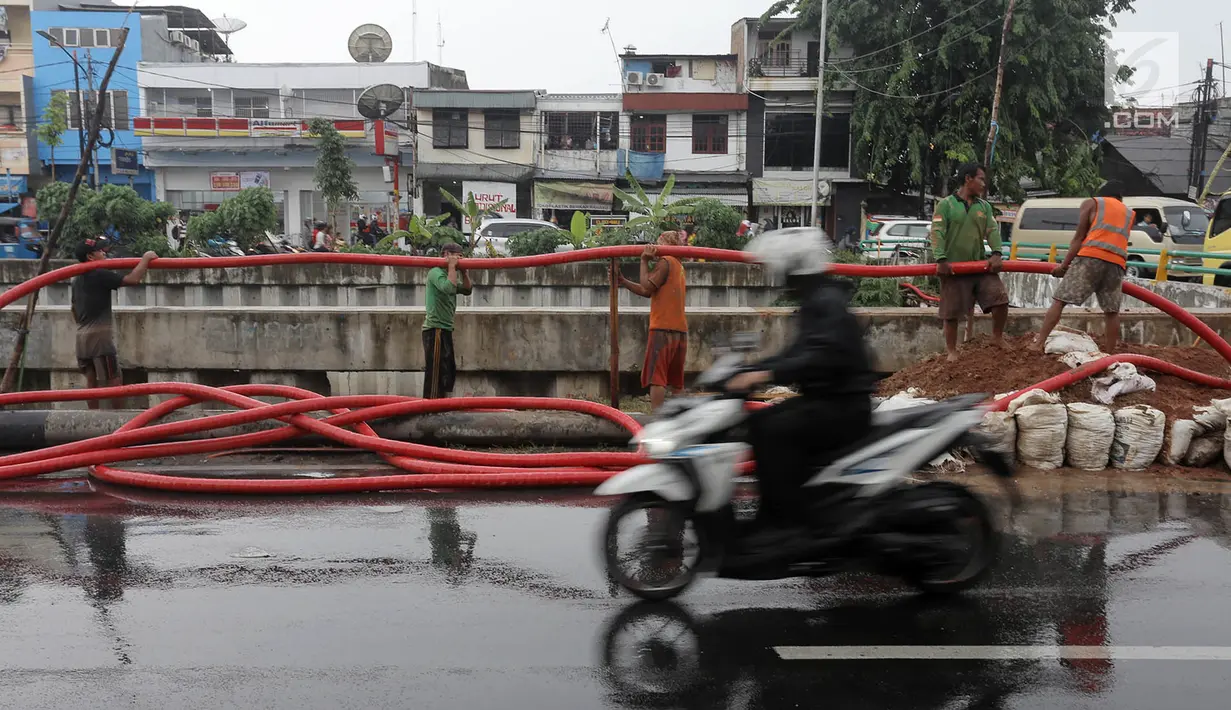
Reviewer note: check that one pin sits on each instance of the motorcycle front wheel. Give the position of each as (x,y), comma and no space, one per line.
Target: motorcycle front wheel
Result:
(664,547)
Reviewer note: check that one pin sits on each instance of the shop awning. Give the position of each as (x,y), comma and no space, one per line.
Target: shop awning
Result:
(785,192)
(6,207)
(734,198)
(573,195)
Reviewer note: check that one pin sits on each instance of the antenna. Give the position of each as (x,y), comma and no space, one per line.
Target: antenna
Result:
(440,41)
(380,101)
(619,65)
(370,44)
(414,30)
(227,26)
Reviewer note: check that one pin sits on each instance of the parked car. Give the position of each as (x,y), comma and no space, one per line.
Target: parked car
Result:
(1218,240)
(895,237)
(1053,220)
(496,231)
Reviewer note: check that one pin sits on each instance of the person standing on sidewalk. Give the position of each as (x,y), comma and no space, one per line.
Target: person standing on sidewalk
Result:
(1094,264)
(960,225)
(96,351)
(443,285)
(667,348)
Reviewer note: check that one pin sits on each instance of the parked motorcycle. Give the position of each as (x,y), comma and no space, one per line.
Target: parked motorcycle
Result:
(218,246)
(864,507)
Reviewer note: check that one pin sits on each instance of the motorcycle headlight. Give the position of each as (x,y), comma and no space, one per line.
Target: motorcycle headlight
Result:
(656,447)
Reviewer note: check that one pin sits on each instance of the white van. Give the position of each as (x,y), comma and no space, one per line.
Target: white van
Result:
(1053,220)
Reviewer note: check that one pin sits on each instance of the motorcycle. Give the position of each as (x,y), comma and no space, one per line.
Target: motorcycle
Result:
(864,507)
(218,246)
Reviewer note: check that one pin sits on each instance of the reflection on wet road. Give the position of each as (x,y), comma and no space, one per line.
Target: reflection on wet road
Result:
(1108,596)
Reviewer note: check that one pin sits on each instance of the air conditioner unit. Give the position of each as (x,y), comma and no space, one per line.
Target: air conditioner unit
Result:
(194,44)
(178,37)
(633,78)
(655,79)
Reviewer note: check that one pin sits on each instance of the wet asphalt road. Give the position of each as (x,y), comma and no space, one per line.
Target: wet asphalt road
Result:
(116,599)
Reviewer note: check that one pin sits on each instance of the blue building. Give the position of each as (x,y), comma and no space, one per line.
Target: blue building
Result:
(93,37)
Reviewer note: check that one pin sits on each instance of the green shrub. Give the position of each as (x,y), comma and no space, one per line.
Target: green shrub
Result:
(537,241)
(717,225)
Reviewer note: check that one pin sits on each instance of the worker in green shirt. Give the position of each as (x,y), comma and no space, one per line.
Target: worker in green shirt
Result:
(443,285)
(961,223)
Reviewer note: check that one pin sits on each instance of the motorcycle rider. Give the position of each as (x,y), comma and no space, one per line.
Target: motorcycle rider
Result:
(829,365)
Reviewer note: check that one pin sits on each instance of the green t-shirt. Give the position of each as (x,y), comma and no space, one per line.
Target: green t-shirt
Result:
(958,232)
(441,300)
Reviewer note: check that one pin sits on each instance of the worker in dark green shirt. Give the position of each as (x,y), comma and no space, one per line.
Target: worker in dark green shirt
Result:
(960,224)
(443,285)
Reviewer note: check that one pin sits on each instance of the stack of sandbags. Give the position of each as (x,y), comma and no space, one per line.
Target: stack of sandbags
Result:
(1139,437)
(1198,441)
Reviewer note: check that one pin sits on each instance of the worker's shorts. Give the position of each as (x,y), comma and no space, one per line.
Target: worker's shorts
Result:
(664,359)
(105,368)
(959,294)
(1087,277)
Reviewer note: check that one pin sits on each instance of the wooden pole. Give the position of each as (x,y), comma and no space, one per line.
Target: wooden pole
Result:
(23,330)
(615,333)
(991,131)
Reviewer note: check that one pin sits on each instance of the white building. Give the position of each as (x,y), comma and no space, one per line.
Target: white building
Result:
(578,160)
(211,129)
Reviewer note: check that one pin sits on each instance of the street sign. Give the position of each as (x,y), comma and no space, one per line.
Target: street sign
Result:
(1192,192)
(124,162)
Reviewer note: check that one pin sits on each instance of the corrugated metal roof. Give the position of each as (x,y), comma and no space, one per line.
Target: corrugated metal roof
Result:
(522,100)
(1164,161)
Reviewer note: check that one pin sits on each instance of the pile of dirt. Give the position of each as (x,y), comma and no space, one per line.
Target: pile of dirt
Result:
(986,368)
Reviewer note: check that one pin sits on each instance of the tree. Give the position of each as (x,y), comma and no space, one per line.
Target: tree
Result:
(115,210)
(654,214)
(472,211)
(334,169)
(717,225)
(924,77)
(247,216)
(55,123)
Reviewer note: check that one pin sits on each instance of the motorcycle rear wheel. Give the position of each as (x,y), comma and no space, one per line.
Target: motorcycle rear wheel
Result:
(943,513)
(665,548)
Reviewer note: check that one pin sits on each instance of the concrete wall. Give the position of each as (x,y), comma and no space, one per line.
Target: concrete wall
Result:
(1036,290)
(559,352)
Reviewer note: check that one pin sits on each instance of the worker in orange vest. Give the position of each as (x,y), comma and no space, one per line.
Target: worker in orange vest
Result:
(1095,263)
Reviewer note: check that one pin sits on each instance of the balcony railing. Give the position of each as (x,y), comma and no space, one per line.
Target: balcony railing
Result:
(783,64)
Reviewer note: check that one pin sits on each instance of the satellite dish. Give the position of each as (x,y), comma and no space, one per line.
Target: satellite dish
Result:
(228,25)
(381,101)
(370,44)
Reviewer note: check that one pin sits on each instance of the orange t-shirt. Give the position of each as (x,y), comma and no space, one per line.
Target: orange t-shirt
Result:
(667,303)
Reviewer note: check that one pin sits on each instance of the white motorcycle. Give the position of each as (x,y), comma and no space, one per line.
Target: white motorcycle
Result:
(865,507)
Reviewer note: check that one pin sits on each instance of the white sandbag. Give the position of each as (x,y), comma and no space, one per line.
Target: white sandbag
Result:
(1041,432)
(1000,429)
(1226,447)
(1212,417)
(1139,437)
(1069,341)
(1122,378)
(1076,359)
(1205,450)
(904,400)
(1032,397)
(1091,430)
(1183,431)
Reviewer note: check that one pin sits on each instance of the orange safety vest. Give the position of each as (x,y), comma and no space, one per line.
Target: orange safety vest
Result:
(1108,236)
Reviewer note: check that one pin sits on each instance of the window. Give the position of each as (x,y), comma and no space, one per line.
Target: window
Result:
(1050,218)
(649,134)
(450,129)
(115,109)
(918,231)
(789,141)
(1222,218)
(196,106)
(10,117)
(667,67)
(252,107)
(72,37)
(576,130)
(502,129)
(709,134)
(102,38)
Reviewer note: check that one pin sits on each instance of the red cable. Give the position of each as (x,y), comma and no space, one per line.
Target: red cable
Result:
(427,466)
(924,295)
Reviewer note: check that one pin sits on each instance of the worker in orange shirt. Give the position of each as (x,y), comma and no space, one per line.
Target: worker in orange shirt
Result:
(667,348)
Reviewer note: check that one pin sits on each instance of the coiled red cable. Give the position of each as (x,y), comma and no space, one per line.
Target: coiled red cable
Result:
(425,466)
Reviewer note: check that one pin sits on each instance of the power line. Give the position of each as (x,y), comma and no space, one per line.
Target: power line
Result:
(938,25)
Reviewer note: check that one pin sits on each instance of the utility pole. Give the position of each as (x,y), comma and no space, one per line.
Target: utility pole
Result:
(820,113)
(994,128)
(1196,161)
(95,105)
(414,30)
(23,329)
(81,113)
(1207,112)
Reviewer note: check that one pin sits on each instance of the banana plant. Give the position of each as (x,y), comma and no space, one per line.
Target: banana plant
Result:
(654,213)
(579,230)
(472,211)
(420,229)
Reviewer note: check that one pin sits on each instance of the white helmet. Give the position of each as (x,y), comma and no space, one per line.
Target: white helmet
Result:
(792,252)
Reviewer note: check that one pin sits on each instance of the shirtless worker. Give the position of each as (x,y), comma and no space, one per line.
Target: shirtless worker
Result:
(96,352)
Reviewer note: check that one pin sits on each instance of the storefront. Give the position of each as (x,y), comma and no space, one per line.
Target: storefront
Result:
(787,202)
(557,201)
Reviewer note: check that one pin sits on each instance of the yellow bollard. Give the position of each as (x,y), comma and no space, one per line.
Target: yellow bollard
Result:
(1164,259)
(1013,251)
(1051,254)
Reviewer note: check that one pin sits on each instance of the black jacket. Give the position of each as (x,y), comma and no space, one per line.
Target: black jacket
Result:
(827,357)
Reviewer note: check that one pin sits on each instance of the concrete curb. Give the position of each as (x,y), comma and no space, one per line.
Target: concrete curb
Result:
(24,430)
